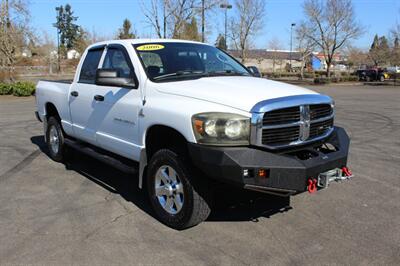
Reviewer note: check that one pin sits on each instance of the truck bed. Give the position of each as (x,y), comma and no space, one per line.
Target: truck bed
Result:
(55,92)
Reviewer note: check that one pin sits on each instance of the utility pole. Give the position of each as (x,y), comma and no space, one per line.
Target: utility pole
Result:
(202,20)
(57,26)
(226,6)
(164,20)
(58,52)
(291,42)
(8,38)
(8,23)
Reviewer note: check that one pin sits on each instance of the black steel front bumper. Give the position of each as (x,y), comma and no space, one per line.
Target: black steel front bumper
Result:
(287,171)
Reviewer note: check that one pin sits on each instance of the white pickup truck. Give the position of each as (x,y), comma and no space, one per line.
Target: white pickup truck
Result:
(178,114)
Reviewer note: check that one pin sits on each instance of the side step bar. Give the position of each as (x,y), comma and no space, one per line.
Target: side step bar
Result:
(104,157)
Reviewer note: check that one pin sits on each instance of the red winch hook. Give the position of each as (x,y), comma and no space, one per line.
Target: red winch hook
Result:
(346,171)
(312,185)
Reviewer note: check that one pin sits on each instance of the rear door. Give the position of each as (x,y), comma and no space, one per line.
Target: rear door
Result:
(118,130)
(81,100)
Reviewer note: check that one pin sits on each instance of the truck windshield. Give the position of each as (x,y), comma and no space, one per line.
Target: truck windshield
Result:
(176,61)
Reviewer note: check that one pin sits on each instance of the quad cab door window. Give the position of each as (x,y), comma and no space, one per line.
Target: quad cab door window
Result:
(115,59)
(90,66)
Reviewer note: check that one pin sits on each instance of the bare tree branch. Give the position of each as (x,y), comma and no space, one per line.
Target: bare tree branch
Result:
(14,30)
(330,24)
(248,24)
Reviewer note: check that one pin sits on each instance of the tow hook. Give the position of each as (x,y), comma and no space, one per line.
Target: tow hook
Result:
(312,185)
(346,171)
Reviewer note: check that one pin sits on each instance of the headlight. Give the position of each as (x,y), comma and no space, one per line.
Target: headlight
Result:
(221,129)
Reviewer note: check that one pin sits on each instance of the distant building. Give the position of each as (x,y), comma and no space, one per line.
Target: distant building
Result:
(26,53)
(73,54)
(54,54)
(318,61)
(270,60)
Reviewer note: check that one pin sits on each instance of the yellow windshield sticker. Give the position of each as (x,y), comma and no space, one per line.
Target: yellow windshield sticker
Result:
(150,47)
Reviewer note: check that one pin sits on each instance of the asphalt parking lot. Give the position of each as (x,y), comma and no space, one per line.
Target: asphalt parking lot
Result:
(88,213)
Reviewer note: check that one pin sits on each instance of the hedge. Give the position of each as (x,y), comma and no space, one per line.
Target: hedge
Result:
(20,89)
(5,89)
(324,80)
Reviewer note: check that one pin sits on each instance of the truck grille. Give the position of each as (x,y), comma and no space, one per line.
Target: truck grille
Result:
(280,135)
(296,125)
(318,111)
(283,116)
(320,128)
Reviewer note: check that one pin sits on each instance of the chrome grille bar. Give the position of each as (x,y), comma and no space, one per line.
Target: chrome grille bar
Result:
(290,121)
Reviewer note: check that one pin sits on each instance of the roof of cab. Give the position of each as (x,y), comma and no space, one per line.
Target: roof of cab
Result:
(139,41)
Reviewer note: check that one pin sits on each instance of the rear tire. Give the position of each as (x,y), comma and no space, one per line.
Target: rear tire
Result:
(55,140)
(177,196)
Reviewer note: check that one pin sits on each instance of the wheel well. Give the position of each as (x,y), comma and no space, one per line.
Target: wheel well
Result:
(51,110)
(162,137)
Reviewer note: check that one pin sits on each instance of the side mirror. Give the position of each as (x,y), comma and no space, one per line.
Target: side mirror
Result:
(111,77)
(254,71)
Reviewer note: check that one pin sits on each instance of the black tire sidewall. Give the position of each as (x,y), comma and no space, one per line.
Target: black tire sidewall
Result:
(58,157)
(167,157)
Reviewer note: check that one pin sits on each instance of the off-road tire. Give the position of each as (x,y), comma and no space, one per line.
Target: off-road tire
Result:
(58,154)
(196,206)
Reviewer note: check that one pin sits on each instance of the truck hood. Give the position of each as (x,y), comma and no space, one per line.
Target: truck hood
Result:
(237,92)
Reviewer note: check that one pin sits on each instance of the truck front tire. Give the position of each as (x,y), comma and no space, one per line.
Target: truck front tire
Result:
(55,140)
(177,197)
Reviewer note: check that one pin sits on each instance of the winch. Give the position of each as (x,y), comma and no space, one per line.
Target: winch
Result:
(323,180)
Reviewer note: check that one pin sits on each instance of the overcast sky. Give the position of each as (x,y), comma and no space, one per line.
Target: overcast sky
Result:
(106,16)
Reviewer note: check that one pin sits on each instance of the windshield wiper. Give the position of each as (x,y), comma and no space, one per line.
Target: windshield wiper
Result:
(199,73)
(181,73)
(226,73)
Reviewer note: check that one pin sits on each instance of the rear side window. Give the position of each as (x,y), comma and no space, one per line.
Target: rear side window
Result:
(90,66)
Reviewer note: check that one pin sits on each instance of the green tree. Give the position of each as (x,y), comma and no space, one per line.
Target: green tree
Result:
(380,51)
(126,31)
(68,31)
(191,31)
(82,41)
(221,42)
(396,52)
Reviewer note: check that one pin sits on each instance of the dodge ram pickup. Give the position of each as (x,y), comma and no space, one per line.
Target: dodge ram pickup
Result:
(183,116)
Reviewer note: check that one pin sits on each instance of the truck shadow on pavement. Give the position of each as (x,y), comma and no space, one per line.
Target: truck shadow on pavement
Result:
(231,204)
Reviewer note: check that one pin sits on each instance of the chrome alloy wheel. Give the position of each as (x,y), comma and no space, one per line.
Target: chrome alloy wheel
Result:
(54,139)
(169,189)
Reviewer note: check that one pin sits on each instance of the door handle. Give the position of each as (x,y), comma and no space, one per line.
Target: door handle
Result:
(74,93)
(98,98)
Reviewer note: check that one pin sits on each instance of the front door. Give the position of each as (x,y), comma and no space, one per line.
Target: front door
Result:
(118,130)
